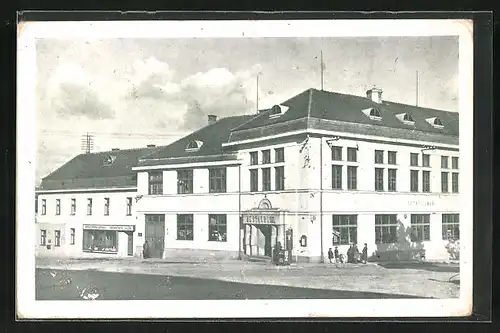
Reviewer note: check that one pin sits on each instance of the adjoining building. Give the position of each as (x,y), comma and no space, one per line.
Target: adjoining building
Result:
(320,170)
(87,206)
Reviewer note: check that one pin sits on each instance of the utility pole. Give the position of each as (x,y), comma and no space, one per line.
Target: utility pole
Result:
(87,143)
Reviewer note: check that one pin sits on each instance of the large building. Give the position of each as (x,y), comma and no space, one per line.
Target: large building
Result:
(320,170)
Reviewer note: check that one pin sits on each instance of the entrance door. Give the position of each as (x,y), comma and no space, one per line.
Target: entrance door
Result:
(155,234)
(130,250)
(266,231)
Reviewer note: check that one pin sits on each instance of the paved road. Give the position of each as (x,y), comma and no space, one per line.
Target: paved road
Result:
(76,285)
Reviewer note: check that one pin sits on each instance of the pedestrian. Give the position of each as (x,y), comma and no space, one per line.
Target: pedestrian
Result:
(145,250)
(356,253)
(364,256)
(330,255)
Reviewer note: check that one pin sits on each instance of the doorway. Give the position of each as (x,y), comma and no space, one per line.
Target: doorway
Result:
(267,245)
(130,244)
(155,235)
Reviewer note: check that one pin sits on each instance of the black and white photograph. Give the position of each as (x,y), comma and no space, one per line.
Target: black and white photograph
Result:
(184,169)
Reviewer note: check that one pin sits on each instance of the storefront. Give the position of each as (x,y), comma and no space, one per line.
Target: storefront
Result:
(98,238)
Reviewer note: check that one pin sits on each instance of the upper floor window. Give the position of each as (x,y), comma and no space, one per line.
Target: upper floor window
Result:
(352,177)
(444,162)
(254,158)
(217,180)
(426,160)
(254,180)
(379,179)
(392,157)
(413,159)
(44,206)
(407,117)
(155,182)
(58,206)
(454,162)
(43,237)
(266,156)
(266,179)
(129,206)
(72,236)
(279,178)
(379,156)
(337,177)
(89,206)
(435,122)
(73,206)
(194,145)
(279,155)
(352,154)
(106,206)
(184,181)
(336,153)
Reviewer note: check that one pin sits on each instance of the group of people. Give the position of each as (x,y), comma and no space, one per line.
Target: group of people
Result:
(353,255)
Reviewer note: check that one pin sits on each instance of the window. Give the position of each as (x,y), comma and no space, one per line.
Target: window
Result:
(44,206)
(426,181)
(279,178)
(336,153)
(379,179)
(386,229)
(426,160)
(254,158)
(279,155)
(420,227)
(437,122)
(414,180)
(454,162)
(444,162)
(454,182)
(345,229)
(57,238)
(106,206)
(58,206)
(72,236)
(352,177)
(217,180)
(129,206)
(379,156)
(184,181)
(375,113)
(194,145)
(337,177)
(217,228)
(89,206)
(100,241)
(451,227)
(392,157)
(43,237)
(392,179)
(444,182)
(254,180)
(352,154)
(413,159)
(266,156)
(185,227)
(408,117)
(156,183)
(73,206)
(266,179)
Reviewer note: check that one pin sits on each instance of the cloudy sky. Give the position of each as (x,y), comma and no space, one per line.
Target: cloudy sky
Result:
(133,92)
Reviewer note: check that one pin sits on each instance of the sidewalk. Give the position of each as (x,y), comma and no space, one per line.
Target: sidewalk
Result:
(367,278)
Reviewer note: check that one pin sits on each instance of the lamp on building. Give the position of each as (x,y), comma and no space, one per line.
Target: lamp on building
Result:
(137,198)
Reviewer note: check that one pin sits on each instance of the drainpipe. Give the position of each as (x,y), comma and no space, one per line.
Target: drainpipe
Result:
(239,212)
(321,196)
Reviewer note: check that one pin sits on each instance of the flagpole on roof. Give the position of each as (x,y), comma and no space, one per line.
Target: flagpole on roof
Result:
(257,100)
(322,65)
(416,93)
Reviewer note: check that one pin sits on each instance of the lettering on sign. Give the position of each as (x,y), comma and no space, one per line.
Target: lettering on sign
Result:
(261,219)
(109,227)
(420,203)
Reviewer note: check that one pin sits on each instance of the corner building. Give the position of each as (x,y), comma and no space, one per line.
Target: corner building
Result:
(320,170)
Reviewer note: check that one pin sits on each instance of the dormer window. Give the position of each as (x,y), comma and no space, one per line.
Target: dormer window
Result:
(194,145)
(406,118)
(277,110)
(373,113)
(108,160)
(435,122)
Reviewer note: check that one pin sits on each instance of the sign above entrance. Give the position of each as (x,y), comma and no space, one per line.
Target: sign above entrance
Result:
(109,227)
(261,218)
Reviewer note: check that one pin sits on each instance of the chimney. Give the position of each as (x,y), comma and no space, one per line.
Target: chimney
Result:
(212,119)
(151,146)
(115,149)
(374,94)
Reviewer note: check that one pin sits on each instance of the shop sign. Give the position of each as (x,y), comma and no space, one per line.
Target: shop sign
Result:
(109,227)
(421,203)
(261,218)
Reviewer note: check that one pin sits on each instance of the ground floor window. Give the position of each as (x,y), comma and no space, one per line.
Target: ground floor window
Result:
(43,237)
(185,227)
(420,227)
(100,240)
(451,227)
(57,238)
(386,229)
(217,228)
(345,229)
(72,236)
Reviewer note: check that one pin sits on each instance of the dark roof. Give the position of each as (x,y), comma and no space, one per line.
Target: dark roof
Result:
(337,111)
(212,136)
(92,171)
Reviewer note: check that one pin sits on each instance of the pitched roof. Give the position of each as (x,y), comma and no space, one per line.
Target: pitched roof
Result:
(314,109)
(94,170)
(210,138)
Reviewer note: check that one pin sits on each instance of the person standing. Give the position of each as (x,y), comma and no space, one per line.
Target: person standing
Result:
(145,250)
(336,254)
(364,255)
(330,255)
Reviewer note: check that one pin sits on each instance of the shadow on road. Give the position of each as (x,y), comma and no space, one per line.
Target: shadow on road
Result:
(421,265)
(121,286)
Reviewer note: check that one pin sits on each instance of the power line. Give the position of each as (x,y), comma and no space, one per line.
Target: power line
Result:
(115,134)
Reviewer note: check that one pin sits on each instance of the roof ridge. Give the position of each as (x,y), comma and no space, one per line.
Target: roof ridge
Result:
(309,104)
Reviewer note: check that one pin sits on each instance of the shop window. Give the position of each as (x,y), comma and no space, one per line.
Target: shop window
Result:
(155,183)
(185,181)
(266,179)
(386,229)
(279,175)
(43,237)
(106,206)
(266,156)
(58,206)
(185,227)
(72,236)
(279,155)
(217,228)
(345,229)
(44,206)
(379,179)
(217,180)
(73,206)
(420,227)
(57,238)
(451,226)
(392,157)
(352,177)
(336,153)
(100,241)
(392,180)
(129,206)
